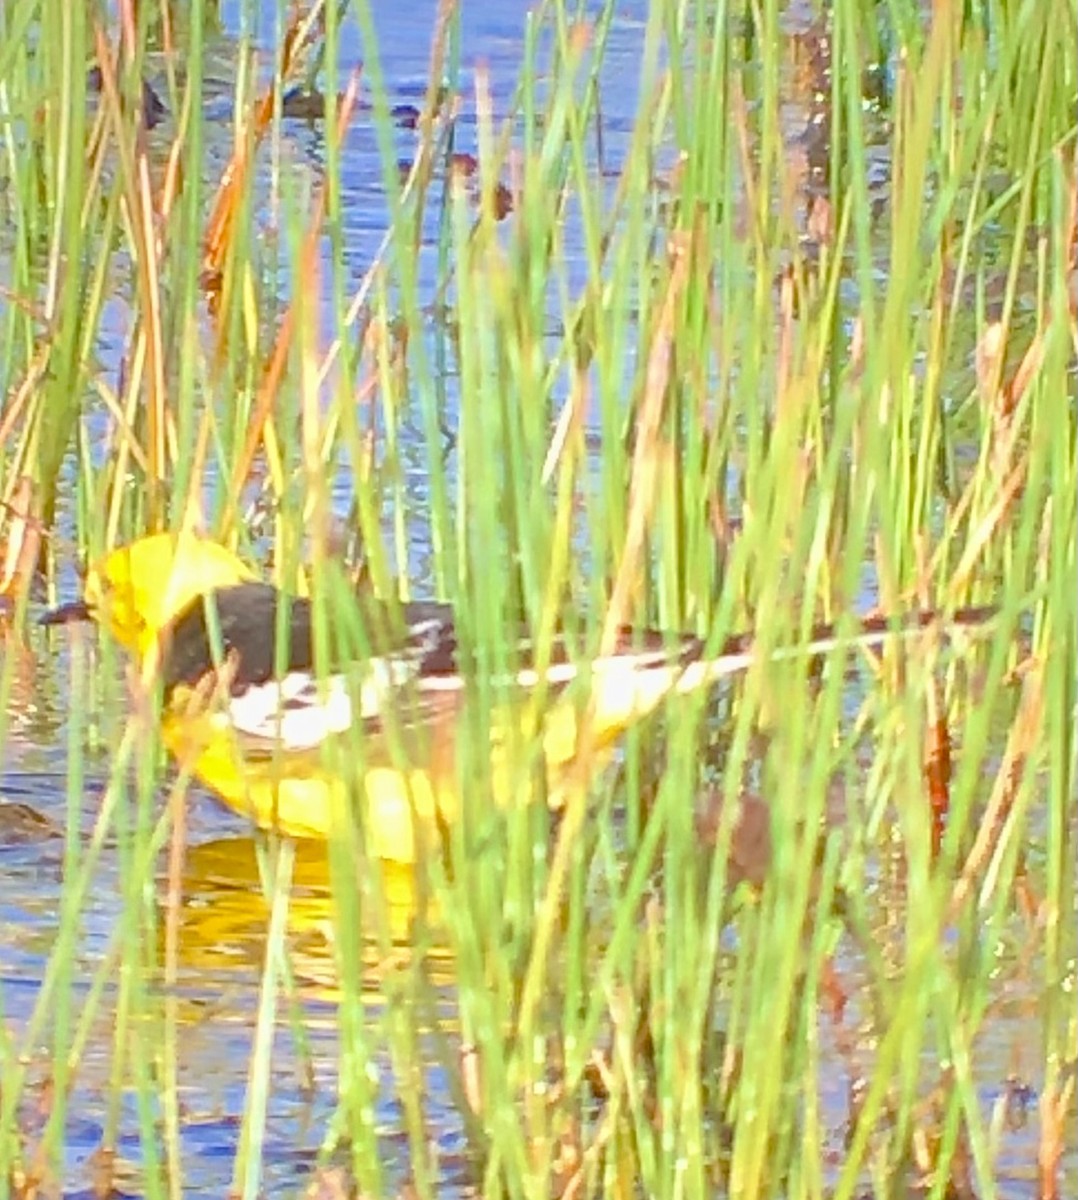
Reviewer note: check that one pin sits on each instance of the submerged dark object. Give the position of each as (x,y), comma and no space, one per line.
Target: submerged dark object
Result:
(749,855)
(304,104)
(21,825)
(154,109)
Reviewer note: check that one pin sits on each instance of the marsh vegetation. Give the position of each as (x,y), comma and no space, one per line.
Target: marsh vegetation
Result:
(699,316)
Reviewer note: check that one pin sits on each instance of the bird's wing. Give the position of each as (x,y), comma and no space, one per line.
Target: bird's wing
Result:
(301,713)
(292,709)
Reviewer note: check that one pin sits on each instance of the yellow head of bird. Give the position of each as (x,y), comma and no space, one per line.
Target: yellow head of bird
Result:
(136,590)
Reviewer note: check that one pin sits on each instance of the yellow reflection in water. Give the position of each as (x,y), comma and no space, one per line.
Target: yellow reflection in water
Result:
(224,919)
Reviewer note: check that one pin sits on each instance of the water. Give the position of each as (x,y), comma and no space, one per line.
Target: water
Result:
(223,918)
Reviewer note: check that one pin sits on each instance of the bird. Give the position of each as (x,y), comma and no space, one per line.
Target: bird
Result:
(292,747)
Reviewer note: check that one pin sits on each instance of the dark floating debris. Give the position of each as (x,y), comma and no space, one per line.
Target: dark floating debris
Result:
(466,167)
(300,105)
(21,825)
(304,104)
(154,109)
(405,116)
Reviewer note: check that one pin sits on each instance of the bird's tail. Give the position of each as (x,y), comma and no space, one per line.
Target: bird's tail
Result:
(644,669)
(741,650)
